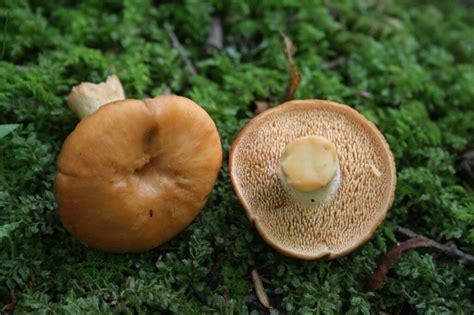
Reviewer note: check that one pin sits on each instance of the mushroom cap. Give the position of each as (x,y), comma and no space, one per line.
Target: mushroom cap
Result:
(309,231)
(136,173)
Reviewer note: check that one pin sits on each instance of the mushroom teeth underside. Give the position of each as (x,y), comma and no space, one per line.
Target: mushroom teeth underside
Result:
(135,173)
(321,253)
(333,228)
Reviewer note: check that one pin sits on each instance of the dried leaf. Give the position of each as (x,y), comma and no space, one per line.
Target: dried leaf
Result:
(375,281)
(10,306)
(295,77)
(260,290)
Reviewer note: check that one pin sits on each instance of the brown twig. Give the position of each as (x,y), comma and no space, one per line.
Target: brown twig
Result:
(182,52)
(295,77)
(215,38)
(451,250)
(375,281)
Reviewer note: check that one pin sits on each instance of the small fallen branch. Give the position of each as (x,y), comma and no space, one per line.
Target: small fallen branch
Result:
(450,250)
(295,77)
(375,281)
(182,52)
(259,289)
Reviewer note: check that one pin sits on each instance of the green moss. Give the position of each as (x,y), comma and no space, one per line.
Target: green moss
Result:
(407,65)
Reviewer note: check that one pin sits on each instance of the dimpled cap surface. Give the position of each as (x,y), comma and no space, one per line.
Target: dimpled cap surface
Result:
(348,219)
(136,173)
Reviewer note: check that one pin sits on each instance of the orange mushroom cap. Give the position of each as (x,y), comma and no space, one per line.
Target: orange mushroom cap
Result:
(135,173)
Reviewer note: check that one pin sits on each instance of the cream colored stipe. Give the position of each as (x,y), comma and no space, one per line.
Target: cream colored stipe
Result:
(309,163)
(87,97)
(309,169)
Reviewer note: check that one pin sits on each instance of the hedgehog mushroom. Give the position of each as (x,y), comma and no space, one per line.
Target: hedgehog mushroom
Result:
(315,177)
(134,173)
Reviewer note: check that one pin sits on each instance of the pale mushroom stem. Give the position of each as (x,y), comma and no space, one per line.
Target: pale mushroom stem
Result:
(309,169)
(87,97)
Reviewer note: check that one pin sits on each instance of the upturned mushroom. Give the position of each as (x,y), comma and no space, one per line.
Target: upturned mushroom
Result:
(315,177)
(134,173)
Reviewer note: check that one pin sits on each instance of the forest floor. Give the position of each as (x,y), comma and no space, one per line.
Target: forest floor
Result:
(405,65)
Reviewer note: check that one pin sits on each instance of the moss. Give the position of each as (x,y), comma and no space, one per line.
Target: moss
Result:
(407,65)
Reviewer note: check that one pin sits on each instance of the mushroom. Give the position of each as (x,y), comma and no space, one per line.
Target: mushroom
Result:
(134,173)
(315,177)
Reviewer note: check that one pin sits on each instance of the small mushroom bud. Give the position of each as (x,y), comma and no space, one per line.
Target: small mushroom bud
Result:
(87,97)
(309,169)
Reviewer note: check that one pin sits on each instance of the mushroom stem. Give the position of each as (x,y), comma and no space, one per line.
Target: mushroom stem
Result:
(309,169)
(87,97)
